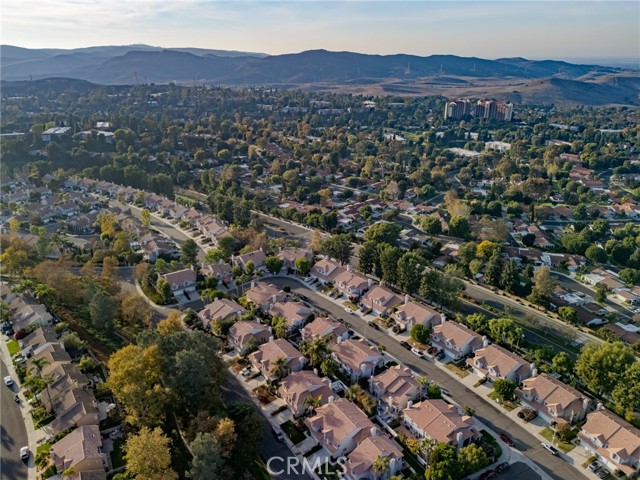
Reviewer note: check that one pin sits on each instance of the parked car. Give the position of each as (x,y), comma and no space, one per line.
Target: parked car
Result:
(308,279)
(417,352)
(246,371)
(527,414)
(487,475)
(602,473)
(24,453)
(405,345)
(506,439)
(373,325)
(8,381)
(278,434)
(348,310)
(595,466)
(503,467)
(550,448)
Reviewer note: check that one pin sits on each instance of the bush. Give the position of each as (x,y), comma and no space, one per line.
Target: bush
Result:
(420,333)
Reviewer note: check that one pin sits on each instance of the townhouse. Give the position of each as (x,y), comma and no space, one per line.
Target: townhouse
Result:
(395,388)
(381,300)
(323,327)
(297,387)
(554,400)
(339,426)
(357,358)
(72,408)
(267,355)
(494,363)
(360,462)
(220,309)
(263,295)
(257,258)
(326,271)
(181,281)
(80,453)
(351,283)
(295,313)
(412,313)
(456,340)
(290,255)
(437,420)
(246,334)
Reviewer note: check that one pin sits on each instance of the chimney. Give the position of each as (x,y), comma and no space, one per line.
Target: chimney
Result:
(599,406)
(374,432)
(274,298)
(459,439)
(348,267)
(331,399)
(534,370)
(369,283)
(485,341)
(253,284)
(406,298)
(315,372)
(409,404)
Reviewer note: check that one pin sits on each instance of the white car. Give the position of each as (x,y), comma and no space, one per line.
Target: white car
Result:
(246,371)
(8,381)
(550,448)
(24,453)
(308,279)
(348,310)
(417,352)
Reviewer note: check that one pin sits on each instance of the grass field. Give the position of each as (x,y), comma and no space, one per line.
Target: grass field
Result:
(566,447)
(507,405)
(13,346)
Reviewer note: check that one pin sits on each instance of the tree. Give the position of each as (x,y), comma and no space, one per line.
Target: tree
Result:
(434,392)
(368,257)
(596,254)
(505,388)
(145,217)
(504,330)
(410,267)
(108,223)
(626,395)
(459,227)
(381,465)
(134,309)
(134,379)
(227,245)
(328,367)
(562,364)
(510,277)
(280,368)
(172,324)
(225,435)
(383,232)
(441,288)
(102,310)
(431,225)
(443,463)
(472,458)
(564,431)
(311,403)
(569,314)
(73,344)
(339,247)
(273,264)
(189,252)
(543,287)
(602,366)
(389,257)
(601,293)
(493,271)
(317,350)
(420,333)
(280,326)
(148,455)
(109,276)
(486,249)
(207,458)
(163,287)
(477,322)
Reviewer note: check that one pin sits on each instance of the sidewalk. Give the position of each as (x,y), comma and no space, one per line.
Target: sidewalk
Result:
(36,437)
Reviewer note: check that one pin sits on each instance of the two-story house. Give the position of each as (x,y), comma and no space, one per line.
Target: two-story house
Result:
(456,340)
(325,270)
(395,388)
(339,426)
(220,309)
(264,295)
(615,441)
(243,335)
(495,362)
(381,300)
(437,420)
(81,452)
(351,283)
(323,327)
(357,358)
(295,313)
(267,354)
(553,400)
(412,313)
(296,387)
(257,258)
(360,462)
(290,255)
(220,270)
(181,281)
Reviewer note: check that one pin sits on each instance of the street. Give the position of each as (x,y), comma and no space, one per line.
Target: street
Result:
(489,414)
(233,392)
(14,433)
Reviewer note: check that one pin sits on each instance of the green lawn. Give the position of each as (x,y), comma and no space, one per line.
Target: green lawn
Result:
(457,370)
(507,405)
(13,346)
(292,432)
(116,454)
(566,447)
(43,448)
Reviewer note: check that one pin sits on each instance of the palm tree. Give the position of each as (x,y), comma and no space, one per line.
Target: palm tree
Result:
(329,367)
(380,466)
(312,403)
(280,368)
(37,364)
(317,351)
(280,327)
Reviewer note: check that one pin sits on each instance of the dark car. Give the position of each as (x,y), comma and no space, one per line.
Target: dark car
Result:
(405,345)
(373,325)
(503,467)
(506,439)
(487,475)
(527,414)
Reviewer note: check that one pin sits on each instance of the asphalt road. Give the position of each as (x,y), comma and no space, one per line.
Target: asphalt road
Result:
(489,414)
(234,392)
(14,434)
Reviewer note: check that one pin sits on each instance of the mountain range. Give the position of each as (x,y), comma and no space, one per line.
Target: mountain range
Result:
(517,79)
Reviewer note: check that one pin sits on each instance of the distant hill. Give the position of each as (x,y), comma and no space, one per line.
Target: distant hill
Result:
(556,81)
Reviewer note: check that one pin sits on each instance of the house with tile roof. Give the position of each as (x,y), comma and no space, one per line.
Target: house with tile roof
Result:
(181,281)
(296,387)
(395,388)
(265,294)
(412,313)
(352,283)
(323,327)
(326,270)
(456,340)
(244,334)
(357,358)
(615,441)
(497,363)
(290,255)
(437,420)
(73,408)
(360,462)
(80,450)
(295,313)
(339,427)
(381,300)
(257,257)
(553,400)
(264,358)
(220,309)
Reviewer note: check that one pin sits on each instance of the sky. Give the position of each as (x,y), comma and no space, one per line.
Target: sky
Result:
(488,29)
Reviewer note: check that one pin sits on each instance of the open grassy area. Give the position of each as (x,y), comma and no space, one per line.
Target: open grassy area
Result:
(116,454)
(457,370)
(292,432)
(566,447)
(507,405)
(13,346)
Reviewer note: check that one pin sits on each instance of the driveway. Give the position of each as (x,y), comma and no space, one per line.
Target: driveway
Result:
(487,413)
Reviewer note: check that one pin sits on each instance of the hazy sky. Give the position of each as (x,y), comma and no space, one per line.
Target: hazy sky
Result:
(490,29)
